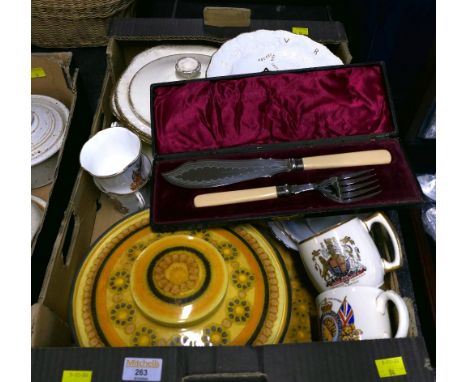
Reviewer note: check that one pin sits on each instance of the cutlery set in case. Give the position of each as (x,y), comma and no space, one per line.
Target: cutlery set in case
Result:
(281,115)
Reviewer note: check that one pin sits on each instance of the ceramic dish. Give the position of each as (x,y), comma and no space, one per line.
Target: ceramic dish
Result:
(48,121)
(38,207)
(195,288)
(131,102)
(265,50)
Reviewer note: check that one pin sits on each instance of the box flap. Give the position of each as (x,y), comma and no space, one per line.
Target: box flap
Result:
(55,79)
(47,329)
(325,32)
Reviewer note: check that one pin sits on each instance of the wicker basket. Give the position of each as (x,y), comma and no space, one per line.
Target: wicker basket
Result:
(75,23)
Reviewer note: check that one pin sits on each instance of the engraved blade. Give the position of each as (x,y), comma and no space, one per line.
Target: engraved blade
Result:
(216,173)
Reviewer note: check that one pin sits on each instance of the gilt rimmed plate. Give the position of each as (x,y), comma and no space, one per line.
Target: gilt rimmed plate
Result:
(265,50)
(132,95)
(48,122)
(195,288)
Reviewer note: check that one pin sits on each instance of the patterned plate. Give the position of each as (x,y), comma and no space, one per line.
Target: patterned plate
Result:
(195,288)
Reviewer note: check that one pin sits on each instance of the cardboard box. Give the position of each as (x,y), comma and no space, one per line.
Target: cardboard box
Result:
(89,214)
(58,78)
(50,76)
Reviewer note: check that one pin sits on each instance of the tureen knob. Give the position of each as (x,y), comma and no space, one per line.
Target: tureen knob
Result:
(188,67)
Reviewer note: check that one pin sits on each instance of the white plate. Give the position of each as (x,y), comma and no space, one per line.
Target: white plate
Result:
(262,50)
(37,213)
(48,121)
(155,65)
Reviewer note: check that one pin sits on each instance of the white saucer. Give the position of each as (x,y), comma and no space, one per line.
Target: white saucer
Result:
(48,122)
(265,50)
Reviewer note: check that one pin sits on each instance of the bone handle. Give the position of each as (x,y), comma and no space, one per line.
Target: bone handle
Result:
(358,158)
(232,197)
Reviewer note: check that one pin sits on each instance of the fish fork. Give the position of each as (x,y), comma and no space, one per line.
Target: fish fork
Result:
(344,188)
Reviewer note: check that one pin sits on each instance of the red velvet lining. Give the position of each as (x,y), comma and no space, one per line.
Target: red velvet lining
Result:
(174,205)
(272,108)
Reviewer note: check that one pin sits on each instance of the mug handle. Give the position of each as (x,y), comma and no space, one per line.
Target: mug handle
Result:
(141,200)
(403,314)
(398,260)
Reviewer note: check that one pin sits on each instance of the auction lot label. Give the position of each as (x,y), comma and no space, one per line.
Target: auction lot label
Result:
(142,369)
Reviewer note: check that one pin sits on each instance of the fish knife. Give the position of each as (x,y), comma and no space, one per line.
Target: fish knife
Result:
(216,173)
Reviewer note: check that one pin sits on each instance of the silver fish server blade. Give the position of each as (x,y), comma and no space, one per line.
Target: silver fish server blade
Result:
(216,173)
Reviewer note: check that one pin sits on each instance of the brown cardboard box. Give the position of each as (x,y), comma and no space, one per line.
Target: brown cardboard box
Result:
(89,214)
(54,81)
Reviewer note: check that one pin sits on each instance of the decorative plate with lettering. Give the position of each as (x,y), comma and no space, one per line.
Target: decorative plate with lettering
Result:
(265,50)
(195,288)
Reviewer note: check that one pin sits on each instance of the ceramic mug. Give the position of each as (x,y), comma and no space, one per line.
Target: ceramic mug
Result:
(346,254)
(359,313)
(113,157)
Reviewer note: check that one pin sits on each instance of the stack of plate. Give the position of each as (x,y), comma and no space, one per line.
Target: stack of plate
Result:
(48,124)
(131,99)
